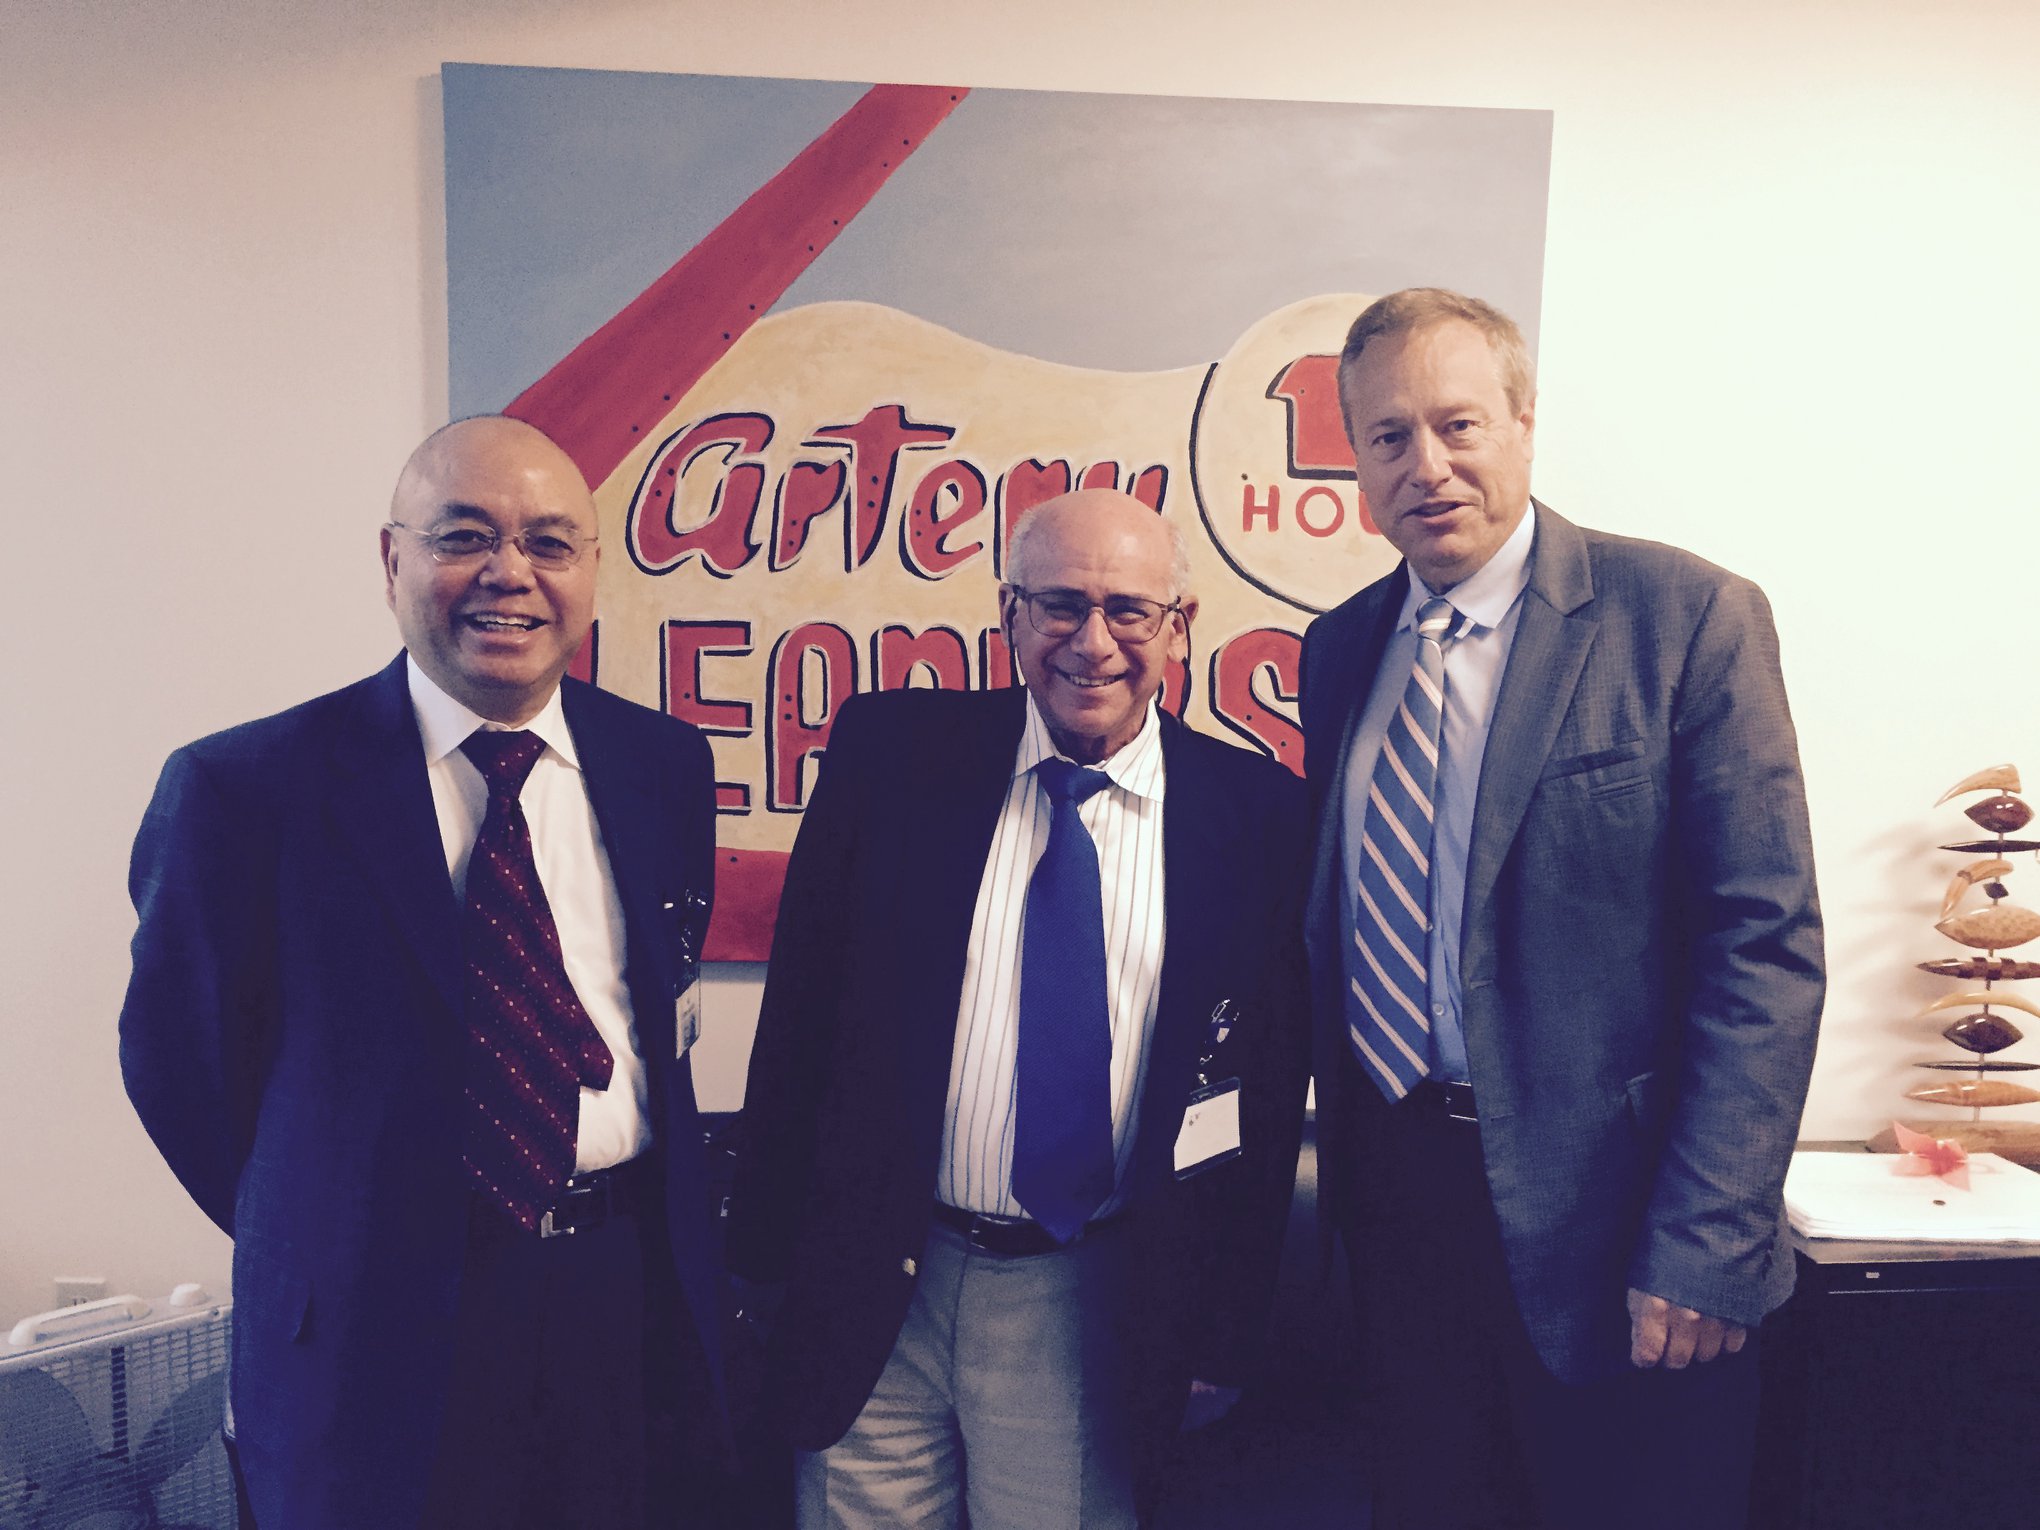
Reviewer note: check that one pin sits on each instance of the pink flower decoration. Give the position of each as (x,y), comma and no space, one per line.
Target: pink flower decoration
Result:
(1940,1156)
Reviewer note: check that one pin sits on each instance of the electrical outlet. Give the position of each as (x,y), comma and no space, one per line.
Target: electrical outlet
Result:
(75,1290)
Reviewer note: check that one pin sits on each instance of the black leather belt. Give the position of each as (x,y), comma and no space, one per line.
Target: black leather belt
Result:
(588,1200)
(1006,1236)
(1454,1101)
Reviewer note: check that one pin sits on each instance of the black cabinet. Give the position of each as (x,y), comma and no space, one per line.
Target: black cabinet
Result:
(1902,1389)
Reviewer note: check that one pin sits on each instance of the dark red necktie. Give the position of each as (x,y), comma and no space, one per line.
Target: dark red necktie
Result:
(530,1043)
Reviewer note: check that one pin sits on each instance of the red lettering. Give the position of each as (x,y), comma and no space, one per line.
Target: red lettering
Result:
(1315,491)
(1237,669)
(898,652)
(1175,692)
(875,443)
(582,665)
(1034,482)
(807,490)
(813,669)
(1147,486)
(687,644)
(1269,509)
(722,540)
(1025,485)
(961,489)
(1318,447)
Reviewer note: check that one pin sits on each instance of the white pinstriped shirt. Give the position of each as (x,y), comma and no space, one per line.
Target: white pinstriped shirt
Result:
(1125,820)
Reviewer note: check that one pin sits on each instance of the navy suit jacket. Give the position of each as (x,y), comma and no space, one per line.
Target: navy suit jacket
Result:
(1641,945)
(292,1039)
(849,1075)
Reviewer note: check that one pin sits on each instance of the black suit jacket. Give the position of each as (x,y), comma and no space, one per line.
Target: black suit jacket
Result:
(292,1038)
(1641,943)
(849,1074)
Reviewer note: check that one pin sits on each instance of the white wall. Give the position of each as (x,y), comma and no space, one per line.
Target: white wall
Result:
(1791,321)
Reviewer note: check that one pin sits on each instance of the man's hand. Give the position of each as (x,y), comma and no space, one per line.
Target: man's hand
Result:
(1662,1334)
(1207,1404)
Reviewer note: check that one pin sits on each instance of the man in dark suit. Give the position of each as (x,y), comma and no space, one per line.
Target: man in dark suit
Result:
(1008,1263)
(409,956)
(1566,962)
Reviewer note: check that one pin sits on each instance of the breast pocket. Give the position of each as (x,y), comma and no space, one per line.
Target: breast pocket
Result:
(1593,834)
(1610,772)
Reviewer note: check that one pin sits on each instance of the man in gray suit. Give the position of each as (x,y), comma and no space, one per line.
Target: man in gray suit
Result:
(1566,962)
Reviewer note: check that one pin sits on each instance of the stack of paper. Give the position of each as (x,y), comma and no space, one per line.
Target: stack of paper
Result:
(1857,1195)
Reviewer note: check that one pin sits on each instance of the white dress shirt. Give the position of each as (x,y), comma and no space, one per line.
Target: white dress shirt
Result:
(573,868)
(1125,822)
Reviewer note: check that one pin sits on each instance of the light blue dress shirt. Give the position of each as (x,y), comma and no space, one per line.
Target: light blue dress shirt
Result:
(1474,665)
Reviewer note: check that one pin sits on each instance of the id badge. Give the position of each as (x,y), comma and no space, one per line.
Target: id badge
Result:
(686,1019)
(1210,1134)
(687,914)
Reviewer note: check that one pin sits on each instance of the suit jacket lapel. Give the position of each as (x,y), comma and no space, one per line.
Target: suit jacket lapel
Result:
(626,801)
(1545,660)
(1372,622)
(1197,859)
(381,804)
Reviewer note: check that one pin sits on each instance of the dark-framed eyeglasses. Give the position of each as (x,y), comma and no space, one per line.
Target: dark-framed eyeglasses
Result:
(547,547)
(1058,613)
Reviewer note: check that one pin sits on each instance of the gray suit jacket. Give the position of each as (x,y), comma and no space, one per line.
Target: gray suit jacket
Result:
(1641,946)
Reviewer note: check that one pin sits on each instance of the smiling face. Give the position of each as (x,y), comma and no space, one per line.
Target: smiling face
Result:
(495,634)
(1091,686)
(1444,459)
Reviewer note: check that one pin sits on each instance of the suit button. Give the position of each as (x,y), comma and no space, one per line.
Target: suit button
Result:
(908,1267)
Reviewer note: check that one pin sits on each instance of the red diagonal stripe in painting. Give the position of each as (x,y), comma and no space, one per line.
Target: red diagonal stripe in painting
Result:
(599,401)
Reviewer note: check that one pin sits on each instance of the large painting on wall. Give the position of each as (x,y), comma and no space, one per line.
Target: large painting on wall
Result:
(819,347)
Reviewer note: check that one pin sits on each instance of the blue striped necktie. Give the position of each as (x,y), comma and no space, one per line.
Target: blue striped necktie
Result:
(1389,1023)
(1062,1133)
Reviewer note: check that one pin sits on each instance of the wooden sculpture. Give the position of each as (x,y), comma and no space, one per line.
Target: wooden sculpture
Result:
(1980,1027)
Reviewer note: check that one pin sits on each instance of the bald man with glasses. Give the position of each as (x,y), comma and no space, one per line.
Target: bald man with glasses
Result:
(1024,1105)
(409,1019)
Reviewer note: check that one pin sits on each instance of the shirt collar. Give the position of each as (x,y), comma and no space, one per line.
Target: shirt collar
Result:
(1135,767)
(444,724)
(1487,593)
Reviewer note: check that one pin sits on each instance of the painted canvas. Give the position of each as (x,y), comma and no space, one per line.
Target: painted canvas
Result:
(819,347)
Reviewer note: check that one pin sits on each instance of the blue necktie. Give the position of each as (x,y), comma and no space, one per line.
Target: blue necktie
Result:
(1062,1137)
(1387,1019)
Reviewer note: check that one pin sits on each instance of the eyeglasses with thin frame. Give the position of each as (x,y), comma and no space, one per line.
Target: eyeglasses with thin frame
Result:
(546,547)
(1058,613)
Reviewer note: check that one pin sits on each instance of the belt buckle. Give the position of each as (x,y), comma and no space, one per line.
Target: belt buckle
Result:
(981,1232)
(1459,1102)
(594,1196)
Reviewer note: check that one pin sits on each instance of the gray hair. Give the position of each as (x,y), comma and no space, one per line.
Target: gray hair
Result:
(1415,308)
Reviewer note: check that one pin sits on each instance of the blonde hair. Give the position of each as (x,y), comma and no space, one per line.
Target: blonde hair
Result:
(1415,308)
